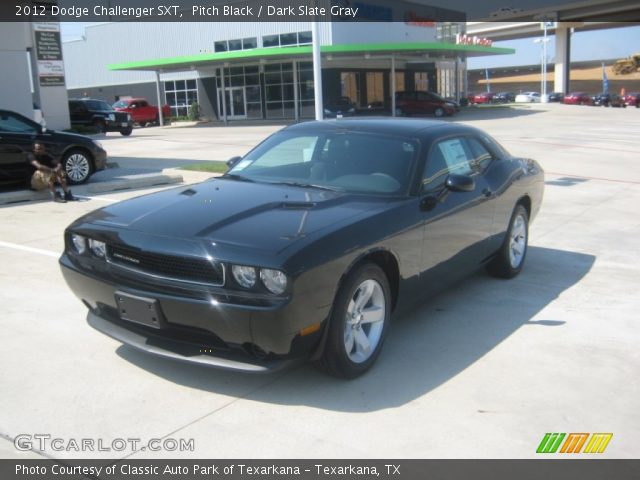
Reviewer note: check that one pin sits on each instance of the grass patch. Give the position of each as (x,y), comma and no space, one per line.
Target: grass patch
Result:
(211,167)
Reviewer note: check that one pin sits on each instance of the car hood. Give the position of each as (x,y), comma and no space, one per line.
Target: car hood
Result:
(68,137)
(233,212)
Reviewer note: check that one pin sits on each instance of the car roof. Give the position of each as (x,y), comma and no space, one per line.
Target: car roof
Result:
(381,125)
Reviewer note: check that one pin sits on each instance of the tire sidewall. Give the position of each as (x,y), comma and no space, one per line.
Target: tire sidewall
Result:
(519,210)
(335,357)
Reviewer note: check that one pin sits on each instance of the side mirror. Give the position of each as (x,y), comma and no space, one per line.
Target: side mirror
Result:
(460,183)
(233,161)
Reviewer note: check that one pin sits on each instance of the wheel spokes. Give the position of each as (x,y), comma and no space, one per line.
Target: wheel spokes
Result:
(363,345)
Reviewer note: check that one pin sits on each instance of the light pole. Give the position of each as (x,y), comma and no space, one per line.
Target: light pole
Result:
(543,63)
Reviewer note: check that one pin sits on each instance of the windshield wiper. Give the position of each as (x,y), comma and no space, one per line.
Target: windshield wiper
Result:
(308,185)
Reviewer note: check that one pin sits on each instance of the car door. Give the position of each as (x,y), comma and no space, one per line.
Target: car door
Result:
(79,113)
(458,224)
(17,135)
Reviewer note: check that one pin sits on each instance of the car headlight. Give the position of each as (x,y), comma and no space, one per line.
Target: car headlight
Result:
(98,144)
(112,117)
(245,276)
(128,117)
(352,110)
(79,243)
(274,280)
(98,248)
(327,111)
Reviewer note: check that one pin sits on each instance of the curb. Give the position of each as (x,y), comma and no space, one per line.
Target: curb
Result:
(99,187)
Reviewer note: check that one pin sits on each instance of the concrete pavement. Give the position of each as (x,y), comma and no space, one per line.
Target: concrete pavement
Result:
(481,371)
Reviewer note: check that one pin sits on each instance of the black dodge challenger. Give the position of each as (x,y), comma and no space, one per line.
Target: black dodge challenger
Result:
(306,246)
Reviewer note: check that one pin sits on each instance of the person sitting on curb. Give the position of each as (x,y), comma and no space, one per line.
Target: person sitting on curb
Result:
(46,172)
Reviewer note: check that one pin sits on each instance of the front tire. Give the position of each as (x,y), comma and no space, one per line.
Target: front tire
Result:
(439,112)
(509,260)
(358,324)
(126,132)
(77,165)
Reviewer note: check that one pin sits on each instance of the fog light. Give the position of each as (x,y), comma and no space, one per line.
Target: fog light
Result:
(98,248)
(274,280)
(245,276)
(79,243)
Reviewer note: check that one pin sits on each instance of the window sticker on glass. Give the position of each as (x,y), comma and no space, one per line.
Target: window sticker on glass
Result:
(455,156)
(242,165)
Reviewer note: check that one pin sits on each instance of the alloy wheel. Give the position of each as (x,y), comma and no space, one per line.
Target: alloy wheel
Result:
(364,323)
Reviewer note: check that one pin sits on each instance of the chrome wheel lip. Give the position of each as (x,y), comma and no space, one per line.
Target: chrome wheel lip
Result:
(364,321)
(77,167)
(517,241)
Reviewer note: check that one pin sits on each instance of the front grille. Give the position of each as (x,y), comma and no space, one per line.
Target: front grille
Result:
(121,117)
(185,269)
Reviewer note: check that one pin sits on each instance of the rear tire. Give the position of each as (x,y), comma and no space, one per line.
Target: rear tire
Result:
(509,260)
(358,323)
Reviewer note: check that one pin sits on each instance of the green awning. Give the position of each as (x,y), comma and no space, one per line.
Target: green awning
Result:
(446,49)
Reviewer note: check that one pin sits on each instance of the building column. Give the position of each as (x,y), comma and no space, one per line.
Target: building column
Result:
(223,97)
(159,100)
(393,85)
(296,112)
(563,59)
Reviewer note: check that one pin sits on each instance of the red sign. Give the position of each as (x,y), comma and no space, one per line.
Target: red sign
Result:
(412,18)
(463,39)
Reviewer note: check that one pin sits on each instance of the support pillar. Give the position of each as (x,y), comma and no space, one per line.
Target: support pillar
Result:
(563,59)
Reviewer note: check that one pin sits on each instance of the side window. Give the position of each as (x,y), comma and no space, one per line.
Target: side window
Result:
(9,123)
(481,156)
(450,156)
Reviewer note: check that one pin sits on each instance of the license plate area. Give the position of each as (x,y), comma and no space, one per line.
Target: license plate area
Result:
(142,310)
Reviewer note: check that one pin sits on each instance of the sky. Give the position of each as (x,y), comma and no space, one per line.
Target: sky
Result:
(596,45)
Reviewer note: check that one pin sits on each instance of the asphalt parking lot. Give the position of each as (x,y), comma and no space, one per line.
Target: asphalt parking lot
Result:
(481,371)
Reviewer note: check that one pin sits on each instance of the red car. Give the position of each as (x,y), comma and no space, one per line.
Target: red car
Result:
(485,97)
(578,98)
(141,110)
(632,99)
(415,103)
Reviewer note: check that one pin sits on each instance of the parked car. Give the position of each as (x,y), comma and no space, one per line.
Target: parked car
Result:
(504,97)
(527,97)
(89,112)
(609,100)
(80,155)
(416,103)
(141,111)
(632,99)
(556,97)
(341,107)
(306,246)
(484,97)
(578,98)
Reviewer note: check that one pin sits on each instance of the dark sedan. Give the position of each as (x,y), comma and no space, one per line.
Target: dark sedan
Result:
(306,247)
(504,97)
(341,107)
(80,156)
(609,100)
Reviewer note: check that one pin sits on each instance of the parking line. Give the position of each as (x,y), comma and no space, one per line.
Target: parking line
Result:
(103,199)
(39,251)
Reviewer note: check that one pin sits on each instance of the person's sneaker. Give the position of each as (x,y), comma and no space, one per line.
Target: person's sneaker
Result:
(68,196)
(57,197)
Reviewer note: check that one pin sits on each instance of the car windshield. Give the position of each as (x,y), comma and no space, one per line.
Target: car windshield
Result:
(353,162)
(98,105)
(121,104)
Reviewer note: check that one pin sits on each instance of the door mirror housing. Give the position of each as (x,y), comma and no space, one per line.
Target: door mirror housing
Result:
(460,183)
(233,161)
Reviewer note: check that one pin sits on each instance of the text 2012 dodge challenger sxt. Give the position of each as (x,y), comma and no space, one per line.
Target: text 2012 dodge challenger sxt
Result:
(306,246)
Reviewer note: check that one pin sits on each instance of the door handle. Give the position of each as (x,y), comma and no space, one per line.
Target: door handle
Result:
(487,192)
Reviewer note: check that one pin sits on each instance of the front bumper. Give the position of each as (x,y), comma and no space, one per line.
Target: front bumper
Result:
(197,327)
(100,159)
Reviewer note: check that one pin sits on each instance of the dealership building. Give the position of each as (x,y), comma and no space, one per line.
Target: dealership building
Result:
(258,70)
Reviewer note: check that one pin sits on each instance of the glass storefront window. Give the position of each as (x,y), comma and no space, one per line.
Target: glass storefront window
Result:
(180,94)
